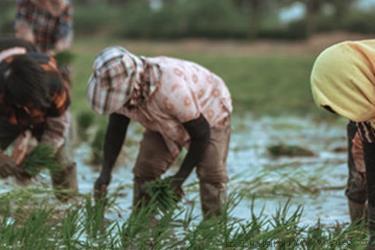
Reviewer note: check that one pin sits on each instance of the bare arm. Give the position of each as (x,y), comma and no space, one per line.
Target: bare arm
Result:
(114,139)
(199,131)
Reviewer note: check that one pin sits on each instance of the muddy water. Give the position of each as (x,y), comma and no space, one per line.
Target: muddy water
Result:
(318,182)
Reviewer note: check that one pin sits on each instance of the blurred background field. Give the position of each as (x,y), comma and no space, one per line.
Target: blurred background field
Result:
(241,40)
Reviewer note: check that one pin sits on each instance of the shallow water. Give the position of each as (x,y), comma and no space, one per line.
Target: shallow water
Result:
(325,174)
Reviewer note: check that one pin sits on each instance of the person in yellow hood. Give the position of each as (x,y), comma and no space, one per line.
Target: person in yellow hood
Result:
(343,82)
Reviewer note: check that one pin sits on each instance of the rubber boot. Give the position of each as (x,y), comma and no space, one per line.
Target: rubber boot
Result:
(357,211)
(64,182)
(213,198)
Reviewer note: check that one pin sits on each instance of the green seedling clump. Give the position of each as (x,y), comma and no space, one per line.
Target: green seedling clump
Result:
(85,120)
(42,157)
(162,194)
(289,150)
(64,58)
(97,147)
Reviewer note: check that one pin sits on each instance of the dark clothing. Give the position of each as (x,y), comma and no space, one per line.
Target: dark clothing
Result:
(35,119)
(356,186)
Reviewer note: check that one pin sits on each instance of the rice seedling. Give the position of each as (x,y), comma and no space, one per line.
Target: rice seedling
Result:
(162,195)
(97,147)
(42,157)
(64,57)
(289,150)
(85,120)
(83,227)
(273,183)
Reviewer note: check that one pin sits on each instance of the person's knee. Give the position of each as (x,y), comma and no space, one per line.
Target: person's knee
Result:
(356,194)
(213,176)
(148,169)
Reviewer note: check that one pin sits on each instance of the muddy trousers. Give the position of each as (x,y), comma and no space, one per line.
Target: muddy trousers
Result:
(356,190)
(154,159)
(369,155)
(64,181)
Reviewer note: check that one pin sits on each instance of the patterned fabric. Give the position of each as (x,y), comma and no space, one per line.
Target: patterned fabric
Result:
(47,28)
(120,77)
(366,131)
(184,90)
(47,126)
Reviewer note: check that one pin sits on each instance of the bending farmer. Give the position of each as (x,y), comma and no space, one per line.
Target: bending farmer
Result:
(180,104)
(343,82)
(34,102)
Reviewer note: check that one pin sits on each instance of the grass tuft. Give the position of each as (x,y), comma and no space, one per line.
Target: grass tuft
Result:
(42,157)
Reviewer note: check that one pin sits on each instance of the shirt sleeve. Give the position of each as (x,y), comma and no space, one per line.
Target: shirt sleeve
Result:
(57,130)
(21,24)
(366,131)
(65,28)
(181,103)
(21,9)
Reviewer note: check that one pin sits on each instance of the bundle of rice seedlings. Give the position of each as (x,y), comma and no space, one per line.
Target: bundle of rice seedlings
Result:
(84,121)
(64,58)
(42,157)
(289,150)
(97,147)
(162,194)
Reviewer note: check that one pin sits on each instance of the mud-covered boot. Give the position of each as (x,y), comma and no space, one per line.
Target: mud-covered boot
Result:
(213,198)
(357,211)
(64,182)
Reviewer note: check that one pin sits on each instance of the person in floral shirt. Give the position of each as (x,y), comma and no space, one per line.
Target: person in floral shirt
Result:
(180,104)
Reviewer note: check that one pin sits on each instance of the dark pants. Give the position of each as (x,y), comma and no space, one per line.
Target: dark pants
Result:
(356,190)
(369,150)
(154,159)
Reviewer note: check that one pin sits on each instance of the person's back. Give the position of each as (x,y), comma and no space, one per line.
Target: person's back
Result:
(45,23)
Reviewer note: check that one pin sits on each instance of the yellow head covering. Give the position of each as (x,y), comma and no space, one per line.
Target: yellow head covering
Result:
(343,78)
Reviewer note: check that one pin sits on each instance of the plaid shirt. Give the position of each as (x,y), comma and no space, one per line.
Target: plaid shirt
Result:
(47,126)
(47,28)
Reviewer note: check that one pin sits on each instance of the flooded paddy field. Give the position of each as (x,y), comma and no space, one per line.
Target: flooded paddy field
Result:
(277,202)
(264,181)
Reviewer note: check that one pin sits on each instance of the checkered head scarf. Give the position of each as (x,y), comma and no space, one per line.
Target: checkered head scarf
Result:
(120,78)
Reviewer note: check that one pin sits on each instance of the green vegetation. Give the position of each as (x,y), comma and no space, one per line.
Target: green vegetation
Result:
(162,194)
(82,226)
(240,19)
(274,85)
(42,157)
(289,150)
(97,147)
(64,58)
(85,120)
(275,183)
